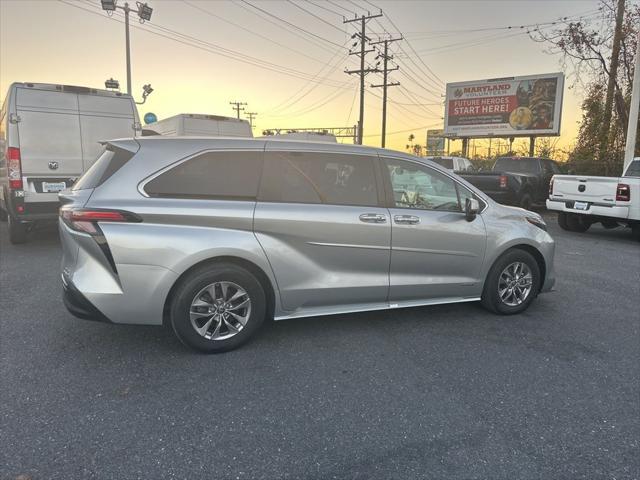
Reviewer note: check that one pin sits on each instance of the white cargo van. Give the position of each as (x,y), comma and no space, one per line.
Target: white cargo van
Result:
(49,136)
(194,124)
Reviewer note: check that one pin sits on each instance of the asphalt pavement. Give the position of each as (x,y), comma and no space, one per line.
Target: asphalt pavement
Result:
(446,392)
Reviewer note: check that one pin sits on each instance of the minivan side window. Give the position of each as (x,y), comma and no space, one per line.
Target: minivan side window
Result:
(421,188)
(211,175)
(318,178)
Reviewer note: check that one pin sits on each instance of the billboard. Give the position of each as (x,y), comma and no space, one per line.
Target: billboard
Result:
(435,142)
(505,107)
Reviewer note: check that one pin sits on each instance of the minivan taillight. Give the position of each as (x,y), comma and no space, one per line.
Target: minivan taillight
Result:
(503,181)
(86,220)
(623,193)
(551,187)
(14,169)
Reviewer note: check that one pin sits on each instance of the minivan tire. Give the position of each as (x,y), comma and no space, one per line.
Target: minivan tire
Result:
(490,296)
(189,287)
(17,231)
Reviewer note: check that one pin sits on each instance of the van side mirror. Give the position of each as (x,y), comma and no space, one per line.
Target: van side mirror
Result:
(471,209)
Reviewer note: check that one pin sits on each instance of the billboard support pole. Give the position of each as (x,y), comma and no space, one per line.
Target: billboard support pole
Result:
(532,145)
(465,146)
(511,139)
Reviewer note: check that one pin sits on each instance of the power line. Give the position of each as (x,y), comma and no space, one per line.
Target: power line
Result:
(252,32)
(291,24)
(212,48)
(350,12)
(324,8)
(251,116)
(315,16)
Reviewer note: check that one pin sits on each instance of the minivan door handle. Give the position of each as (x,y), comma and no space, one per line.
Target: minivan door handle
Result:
(373,218)
(406,219)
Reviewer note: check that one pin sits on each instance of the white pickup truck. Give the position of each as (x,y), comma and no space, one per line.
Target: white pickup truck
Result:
(582,201)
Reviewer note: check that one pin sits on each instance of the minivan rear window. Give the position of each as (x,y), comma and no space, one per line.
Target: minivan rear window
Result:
(108,163)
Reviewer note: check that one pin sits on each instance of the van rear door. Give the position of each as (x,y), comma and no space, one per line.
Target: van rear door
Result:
(104,118)
(49,133)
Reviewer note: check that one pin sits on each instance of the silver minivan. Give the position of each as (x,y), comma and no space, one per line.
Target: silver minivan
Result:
(212,236)
(49,135)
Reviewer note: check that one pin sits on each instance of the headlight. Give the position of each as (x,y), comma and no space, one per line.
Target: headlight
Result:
(537,221)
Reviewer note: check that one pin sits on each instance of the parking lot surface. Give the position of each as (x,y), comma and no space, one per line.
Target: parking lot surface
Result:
(436,392)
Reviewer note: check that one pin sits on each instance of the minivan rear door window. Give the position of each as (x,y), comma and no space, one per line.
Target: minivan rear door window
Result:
(315,177)
(108,163)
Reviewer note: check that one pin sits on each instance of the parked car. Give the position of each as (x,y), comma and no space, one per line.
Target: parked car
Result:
(196,124)
(454,164)
(213,235)
(50,134)
(519,181)
(582,201)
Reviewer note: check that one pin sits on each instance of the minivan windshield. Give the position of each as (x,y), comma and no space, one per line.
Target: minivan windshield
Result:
(516,165)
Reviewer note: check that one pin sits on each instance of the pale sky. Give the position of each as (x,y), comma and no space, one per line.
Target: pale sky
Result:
(54,42)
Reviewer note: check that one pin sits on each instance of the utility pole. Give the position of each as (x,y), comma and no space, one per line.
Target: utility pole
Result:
(632,129)
(144,11)
(362,71)
(611,84)
(251,116)
(385,58)
(237,107)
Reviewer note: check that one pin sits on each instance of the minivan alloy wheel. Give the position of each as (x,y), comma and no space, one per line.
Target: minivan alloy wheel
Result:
(515,283)
(220,310)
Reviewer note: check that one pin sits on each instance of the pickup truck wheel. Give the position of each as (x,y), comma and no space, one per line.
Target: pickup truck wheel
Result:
(17,231)
(526,201)
(577,223)
(512,283)
(562,221)
(635,231)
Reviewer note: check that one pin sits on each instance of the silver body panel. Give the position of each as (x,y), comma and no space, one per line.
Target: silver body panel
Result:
(319,259)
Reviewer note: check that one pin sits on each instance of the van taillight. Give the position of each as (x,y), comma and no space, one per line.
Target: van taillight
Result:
(503,181)
(623,193)
(551,187)
(86,220)
(14,170)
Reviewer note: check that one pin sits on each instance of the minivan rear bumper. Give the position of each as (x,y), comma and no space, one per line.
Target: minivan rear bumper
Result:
(78,305)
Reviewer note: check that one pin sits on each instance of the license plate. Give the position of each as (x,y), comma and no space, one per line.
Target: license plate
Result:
(581,206)
(53,187)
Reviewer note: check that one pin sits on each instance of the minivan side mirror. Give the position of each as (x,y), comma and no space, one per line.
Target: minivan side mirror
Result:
(471,209)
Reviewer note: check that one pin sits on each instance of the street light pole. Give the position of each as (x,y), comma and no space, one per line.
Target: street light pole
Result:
(143,10)
(128,45)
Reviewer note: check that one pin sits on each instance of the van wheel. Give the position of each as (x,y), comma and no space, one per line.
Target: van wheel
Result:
(577,223)
(17,231)
(526,201)
(512,283)
(3,215)
(217,308)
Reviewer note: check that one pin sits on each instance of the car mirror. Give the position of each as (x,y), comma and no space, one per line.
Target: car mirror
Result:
(471,209)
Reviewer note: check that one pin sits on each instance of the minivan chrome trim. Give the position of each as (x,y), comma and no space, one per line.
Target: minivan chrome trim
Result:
(322,311)
(347,245)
